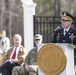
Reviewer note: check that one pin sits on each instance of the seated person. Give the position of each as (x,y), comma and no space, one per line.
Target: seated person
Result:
(14,56)
(5,41)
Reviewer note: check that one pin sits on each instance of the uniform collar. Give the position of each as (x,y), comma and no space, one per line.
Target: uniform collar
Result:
(66,29)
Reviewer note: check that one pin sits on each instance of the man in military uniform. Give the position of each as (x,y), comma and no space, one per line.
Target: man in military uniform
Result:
(30,64)
(66,34)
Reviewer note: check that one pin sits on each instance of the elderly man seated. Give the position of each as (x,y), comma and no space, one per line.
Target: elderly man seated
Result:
(30,65)
(14,56)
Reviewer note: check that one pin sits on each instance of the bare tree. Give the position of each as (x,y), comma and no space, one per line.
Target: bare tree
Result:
(11,13)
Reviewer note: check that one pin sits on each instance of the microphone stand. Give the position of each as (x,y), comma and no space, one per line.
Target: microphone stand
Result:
(52,31)
(48,35)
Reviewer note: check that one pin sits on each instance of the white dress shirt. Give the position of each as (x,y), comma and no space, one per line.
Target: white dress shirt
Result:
(66,30)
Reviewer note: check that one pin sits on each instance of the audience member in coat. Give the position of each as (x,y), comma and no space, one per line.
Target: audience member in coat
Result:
(14,56)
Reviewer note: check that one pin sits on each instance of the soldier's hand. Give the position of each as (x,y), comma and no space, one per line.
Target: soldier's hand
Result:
(27,67)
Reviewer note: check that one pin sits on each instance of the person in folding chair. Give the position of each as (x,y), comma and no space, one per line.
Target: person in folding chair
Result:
(14,56)
(66,34)
(30,65)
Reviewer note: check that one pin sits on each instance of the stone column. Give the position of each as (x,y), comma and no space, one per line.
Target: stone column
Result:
(28,11)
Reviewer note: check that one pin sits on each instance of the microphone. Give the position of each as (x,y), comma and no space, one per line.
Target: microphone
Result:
(56,28)
(53,31)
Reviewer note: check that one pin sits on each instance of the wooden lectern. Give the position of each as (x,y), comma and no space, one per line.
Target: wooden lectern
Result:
(68,49)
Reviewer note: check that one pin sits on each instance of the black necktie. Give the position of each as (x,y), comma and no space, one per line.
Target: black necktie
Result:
(65,32)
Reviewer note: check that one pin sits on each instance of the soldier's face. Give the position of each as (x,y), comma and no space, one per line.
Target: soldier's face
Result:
(66,24)
(38,41)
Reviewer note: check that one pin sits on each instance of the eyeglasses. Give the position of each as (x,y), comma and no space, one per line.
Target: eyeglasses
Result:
(37,39)
(64,20)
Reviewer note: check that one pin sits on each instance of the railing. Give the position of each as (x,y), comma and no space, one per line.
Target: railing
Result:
(45,26)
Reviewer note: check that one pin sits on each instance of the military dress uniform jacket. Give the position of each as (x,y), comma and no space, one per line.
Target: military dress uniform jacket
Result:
(70,36)
(21,56)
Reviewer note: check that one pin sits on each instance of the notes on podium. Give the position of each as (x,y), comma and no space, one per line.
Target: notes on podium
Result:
(60,64)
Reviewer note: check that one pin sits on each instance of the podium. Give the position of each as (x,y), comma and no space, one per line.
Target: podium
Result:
(68,49)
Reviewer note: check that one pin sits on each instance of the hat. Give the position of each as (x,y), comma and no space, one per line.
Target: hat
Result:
(67,16)
(38,36)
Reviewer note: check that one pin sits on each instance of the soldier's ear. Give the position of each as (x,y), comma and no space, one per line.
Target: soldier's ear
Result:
(70,22)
